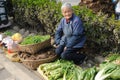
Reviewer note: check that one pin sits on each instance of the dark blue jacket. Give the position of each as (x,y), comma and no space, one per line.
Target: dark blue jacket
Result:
(70,34)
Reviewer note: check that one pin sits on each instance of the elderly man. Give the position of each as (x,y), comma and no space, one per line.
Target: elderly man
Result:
(70,36)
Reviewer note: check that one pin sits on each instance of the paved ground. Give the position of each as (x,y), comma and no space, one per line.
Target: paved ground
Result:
(15,71)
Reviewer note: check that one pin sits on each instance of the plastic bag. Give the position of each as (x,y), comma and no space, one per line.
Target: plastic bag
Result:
(11,45)
(1,37)
(5,40)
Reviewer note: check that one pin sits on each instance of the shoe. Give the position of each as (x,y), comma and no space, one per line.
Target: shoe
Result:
(82,59)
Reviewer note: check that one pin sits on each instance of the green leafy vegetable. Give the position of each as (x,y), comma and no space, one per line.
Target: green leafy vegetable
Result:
(106,71)
(34,39)
(87,74)
(8,33)
(60,69)
(112,57)
(116,74)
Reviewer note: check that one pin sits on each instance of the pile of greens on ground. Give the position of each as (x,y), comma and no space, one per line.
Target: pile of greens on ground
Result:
(112,57)
(110,69)
(65,70)
(34,39)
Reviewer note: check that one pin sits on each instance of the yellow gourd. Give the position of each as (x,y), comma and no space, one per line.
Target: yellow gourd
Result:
(17,37)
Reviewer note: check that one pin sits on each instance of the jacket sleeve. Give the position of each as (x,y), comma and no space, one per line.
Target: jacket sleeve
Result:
(59,33)
(78,32)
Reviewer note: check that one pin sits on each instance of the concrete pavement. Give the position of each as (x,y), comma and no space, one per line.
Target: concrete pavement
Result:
(16,71)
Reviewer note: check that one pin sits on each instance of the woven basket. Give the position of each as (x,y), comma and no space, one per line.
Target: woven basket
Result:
(33,64)
(13,57)
(42,74)
(34,48)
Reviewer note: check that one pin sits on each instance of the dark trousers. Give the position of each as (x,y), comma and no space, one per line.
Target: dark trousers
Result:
(70,54)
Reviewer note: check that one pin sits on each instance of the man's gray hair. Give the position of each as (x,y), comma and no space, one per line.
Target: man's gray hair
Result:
(68,5)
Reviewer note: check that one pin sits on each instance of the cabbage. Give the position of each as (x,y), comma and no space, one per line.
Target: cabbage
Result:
(106,71)
(116,73)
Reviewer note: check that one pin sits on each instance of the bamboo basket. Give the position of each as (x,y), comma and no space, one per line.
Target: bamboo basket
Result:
(34,48)
(33,64)
(13,57)
(42,74)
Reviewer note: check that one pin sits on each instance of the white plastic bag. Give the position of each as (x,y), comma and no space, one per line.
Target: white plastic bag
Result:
(6,40)
(1,37)
(10,44)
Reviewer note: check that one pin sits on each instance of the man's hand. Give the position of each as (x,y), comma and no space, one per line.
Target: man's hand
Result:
(56,46)
(52,41)
(65,48)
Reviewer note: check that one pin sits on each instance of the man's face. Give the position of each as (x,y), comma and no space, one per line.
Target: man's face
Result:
(67,12)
